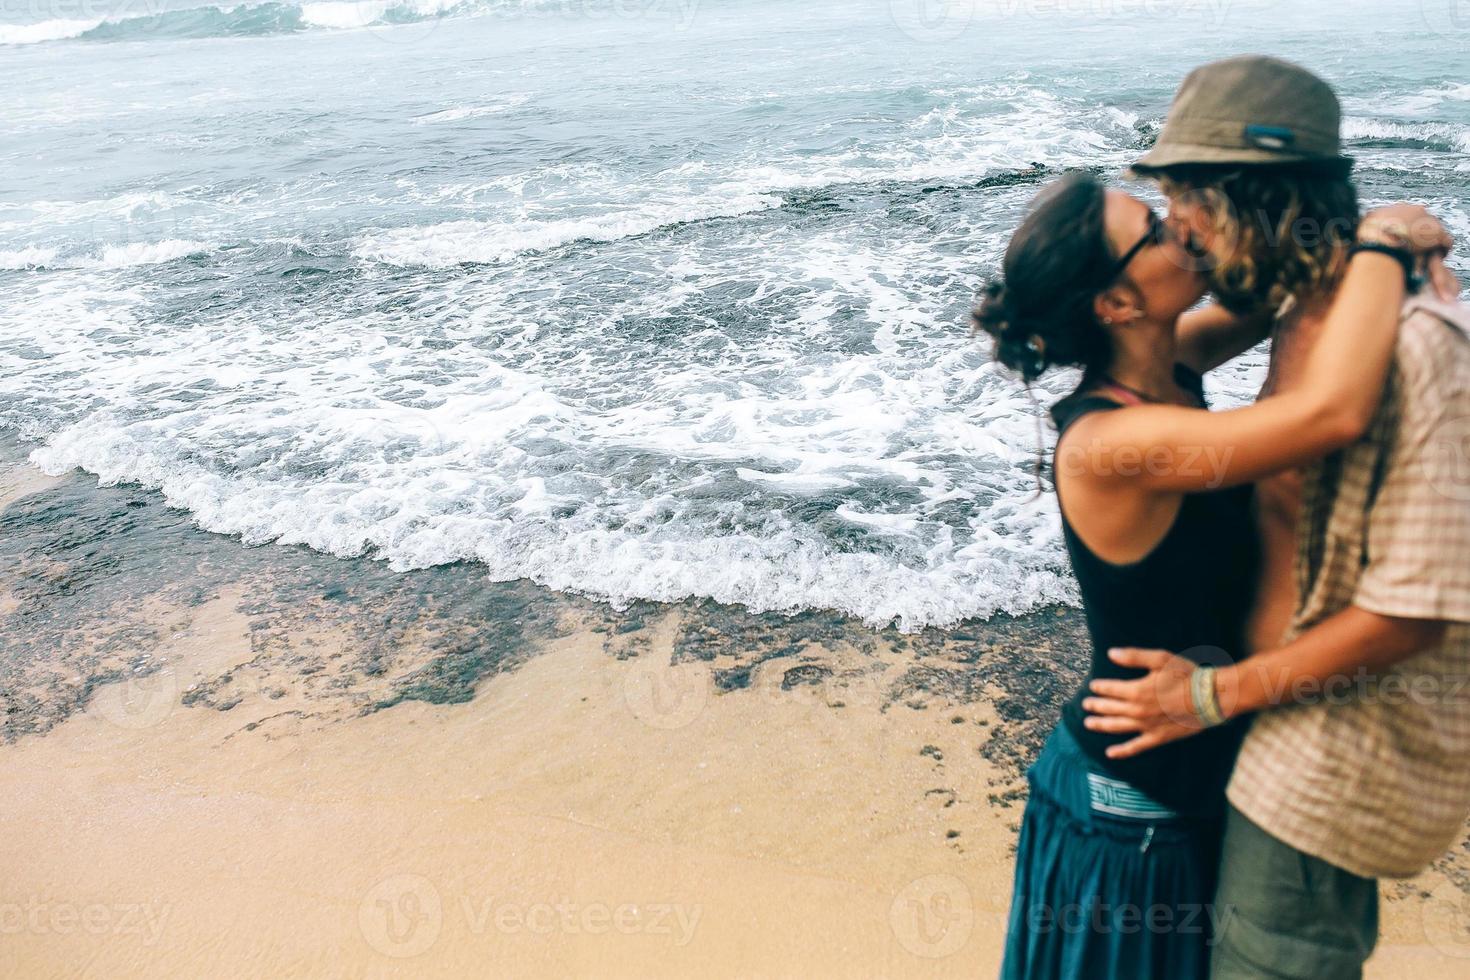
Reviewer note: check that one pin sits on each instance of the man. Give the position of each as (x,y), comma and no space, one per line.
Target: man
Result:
(1358,765)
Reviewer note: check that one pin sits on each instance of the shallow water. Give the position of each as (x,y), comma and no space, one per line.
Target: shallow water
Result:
(644,300)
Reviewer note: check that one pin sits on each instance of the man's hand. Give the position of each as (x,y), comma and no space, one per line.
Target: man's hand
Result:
(1407,226)
(1446,285)
(1157,706)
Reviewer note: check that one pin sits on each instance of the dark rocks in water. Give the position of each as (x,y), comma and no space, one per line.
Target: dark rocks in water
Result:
(1011,178)
(97,580)
(1146,133)
(96,576)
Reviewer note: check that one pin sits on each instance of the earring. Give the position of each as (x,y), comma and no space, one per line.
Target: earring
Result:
(1108,320)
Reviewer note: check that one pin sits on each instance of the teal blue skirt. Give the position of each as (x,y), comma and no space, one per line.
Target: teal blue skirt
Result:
(1109,884)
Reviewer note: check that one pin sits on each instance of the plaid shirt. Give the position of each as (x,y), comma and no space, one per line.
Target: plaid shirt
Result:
(1374,777)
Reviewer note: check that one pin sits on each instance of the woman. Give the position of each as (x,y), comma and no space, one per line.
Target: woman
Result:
(1116,863)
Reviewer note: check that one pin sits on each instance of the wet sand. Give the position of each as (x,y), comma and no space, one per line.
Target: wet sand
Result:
(263,761)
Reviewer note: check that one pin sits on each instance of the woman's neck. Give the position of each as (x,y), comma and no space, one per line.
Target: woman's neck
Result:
(1143,359)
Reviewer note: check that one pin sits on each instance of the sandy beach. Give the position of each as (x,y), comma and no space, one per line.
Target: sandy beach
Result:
(511,488)
(261,762)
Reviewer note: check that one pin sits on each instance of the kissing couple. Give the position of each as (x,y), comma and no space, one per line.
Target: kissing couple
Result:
(1277,595)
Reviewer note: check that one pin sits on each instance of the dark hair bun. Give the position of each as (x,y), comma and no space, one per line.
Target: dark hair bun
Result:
(1039,310)
(1016,347)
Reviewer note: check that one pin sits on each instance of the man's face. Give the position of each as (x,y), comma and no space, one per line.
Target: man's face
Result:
(1206,236)
(1192,223)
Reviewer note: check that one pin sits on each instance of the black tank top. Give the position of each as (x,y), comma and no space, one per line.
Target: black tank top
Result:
(1191,594)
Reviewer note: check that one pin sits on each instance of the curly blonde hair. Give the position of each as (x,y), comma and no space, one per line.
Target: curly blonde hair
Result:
(1284,232)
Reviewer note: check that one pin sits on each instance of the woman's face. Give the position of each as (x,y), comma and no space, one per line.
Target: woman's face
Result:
(1163,273)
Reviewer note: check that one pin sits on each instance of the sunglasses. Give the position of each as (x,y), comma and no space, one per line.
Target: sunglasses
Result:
(1157,232)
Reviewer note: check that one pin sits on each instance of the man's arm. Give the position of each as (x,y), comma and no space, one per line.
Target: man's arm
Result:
(1342,649)
(1416,581)
(1330,661)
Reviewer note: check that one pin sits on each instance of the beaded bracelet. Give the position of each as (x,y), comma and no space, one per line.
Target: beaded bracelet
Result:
(1204,697)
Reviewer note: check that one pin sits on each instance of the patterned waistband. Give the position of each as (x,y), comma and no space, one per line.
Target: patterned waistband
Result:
(1117,798)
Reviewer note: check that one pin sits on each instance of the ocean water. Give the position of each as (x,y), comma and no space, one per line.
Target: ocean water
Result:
(639,298)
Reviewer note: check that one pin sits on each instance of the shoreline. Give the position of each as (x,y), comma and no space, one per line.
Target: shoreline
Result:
(277,761)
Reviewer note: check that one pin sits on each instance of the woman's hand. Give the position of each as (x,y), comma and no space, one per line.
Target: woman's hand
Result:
(1158,706)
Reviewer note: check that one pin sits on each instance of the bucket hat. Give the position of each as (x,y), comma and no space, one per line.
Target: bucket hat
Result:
(1250,110)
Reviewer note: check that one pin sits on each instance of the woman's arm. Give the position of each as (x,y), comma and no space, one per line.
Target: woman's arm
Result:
(1168,448)
(1212,335)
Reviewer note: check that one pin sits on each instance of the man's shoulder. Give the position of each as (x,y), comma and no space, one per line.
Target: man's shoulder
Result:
(1430,329)
(1432,353)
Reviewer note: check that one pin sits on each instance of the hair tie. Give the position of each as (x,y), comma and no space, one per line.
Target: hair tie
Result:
(1036,347)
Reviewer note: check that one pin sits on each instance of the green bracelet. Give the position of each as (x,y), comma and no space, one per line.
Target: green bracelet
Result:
(1204,697)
